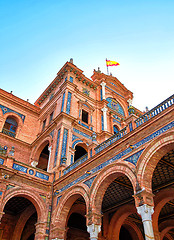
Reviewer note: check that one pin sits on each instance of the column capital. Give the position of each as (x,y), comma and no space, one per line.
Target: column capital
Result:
(103,84)
(146,212)
(143,197)
(94,230)
(104,109)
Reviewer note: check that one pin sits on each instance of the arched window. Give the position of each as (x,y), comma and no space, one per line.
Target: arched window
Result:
(43,159)
(80,152)
(116,130)
(10,127)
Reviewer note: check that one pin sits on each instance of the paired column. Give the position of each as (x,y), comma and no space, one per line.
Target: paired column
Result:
(146,212)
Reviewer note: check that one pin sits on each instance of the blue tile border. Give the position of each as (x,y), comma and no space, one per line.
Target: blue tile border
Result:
(82,133)
(19,168)
(57,148)
(64,143)
(90,181)
(77,141)
(1,161)
(42,176)
(6,109)
(68,104)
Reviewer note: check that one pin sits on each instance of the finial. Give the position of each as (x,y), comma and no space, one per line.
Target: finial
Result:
(71,60)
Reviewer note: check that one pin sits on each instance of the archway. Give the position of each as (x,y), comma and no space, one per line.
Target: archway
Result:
(80,151)
(162,182)
(115,128)
(43,158)
(18,222)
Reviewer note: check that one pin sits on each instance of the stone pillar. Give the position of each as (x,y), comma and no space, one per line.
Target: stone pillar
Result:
(103,84)
(93,230)
(40,231)
(104,110)
(49,149)
(146,212)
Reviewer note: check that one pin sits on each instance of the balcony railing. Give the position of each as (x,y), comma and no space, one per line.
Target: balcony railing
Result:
(111,140)
(150,114)
(8,132)
(75,164)
(155,111)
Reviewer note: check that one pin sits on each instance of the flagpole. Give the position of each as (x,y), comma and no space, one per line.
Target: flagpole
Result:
(107,68)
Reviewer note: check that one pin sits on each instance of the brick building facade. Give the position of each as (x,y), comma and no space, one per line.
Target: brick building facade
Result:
(83,163)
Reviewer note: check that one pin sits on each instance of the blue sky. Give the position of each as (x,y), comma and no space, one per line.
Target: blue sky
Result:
(38,37)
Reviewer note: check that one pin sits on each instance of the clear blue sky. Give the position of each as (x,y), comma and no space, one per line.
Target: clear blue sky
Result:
(38,37)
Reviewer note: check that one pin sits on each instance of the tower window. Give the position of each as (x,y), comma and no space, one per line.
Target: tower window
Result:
(84,116)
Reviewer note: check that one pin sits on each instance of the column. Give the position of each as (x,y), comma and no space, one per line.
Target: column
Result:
(93,230)
(49,149)
(146,212)
(40,230)
(103,84)
(104,110)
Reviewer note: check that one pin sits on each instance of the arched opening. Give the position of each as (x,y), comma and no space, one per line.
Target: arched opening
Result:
(79,152)
(124,234)
(116,130)
(77,221)
(43,159)
(117,206)
(19,219)
(162,180)
(10,126)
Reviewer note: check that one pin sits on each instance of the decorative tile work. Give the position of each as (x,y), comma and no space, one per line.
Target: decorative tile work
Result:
(68,105)
(6,109)
(74,143)
(63,100)
(57,147)
(153,135)
(0,193)
(86,91)
(51,96)
(9,186)
(86,105)
(130,127)
(58,199)
(75,164)
(64,143)
(113,104)
(42,176)
(43,197)
(31,172)
(113,84)
(115,91)
(72,157)
(83,124)
(102,122)
(65,79)
(71,79)
(74,137)
(134,158)
(90,181)
(101,95)
(82,133)
(1,161)
(19,168)
(91,153)
(79,112)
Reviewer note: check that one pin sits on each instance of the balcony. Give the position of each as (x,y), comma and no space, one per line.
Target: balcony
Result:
(8,132)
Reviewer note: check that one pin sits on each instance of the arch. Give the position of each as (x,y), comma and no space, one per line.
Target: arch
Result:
(37,151)
(133,229)
(28,212)
(160,200)
(62,210)
(151,156)
(116,129)
(81,150)
(115,105)
(105,178)
(118,220)
(165,227)
(31,195)
(16,118)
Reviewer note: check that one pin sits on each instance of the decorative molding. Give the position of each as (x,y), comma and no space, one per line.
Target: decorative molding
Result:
(82,133)
(90,181)
(74,143)
(115,91)
(1,161)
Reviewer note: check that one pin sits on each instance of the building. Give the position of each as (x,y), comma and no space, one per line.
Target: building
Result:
(83,163)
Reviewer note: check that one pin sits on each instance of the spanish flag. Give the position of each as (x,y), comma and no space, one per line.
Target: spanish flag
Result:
(111,63)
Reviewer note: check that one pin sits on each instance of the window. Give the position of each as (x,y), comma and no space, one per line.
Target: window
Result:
(51,117)
(44,123)
(84,116)
(115,129)
(10,127)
